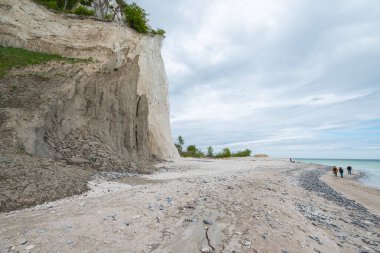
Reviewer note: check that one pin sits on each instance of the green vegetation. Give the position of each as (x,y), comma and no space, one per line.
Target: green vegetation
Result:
(159,31)
(16,57)
(179,144)
(131,14)
(226,153)
(67,4)
(210,152)
(243,153)
(52,4)
(193,151)
(83,11)
(136,18)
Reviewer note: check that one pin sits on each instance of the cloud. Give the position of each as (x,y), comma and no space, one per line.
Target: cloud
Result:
(291,78)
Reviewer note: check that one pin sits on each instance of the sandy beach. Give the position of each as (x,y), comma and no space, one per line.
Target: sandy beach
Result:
(205,205)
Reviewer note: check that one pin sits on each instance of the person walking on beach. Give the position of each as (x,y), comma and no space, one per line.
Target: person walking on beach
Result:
(341,172)
(335,171)
(349,168)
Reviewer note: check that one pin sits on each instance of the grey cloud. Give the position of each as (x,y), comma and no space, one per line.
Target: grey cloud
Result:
(308,73)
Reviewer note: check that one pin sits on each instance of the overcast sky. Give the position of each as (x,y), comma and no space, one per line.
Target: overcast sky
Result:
(290,78)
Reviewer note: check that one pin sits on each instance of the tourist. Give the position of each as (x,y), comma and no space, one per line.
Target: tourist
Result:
(349,168)
(341,172)
(335,171)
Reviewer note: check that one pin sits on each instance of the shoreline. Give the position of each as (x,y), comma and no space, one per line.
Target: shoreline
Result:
(353,187)
(246,204)
(364,176)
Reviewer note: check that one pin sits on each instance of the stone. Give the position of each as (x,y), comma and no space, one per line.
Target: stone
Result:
(169,201)
(23,241)
(29,247)
(207,222)
(247,243)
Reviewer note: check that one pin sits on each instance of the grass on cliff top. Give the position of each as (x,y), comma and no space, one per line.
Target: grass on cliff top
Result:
(17,57)
(52,4)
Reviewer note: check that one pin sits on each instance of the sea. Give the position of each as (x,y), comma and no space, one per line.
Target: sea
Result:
(371,168)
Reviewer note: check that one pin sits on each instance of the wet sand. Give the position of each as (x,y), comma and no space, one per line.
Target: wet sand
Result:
(353,189)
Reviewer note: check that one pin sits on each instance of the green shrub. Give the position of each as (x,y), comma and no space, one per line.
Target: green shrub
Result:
(193,151)
(108,17)
(52,4)
(69,6)
(136,18)
(159,31)
(226,152)
(85,2)
(83,11)
(210,152)
(243,153)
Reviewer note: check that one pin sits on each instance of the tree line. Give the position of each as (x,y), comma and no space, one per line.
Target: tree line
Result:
(115,10)
(193,151)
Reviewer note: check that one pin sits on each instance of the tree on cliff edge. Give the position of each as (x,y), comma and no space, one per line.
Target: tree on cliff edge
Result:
(179,144)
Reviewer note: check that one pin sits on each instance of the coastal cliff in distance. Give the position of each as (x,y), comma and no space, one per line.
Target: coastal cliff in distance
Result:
(59,118)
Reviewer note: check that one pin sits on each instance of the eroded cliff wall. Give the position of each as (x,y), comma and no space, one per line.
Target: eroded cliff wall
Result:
(111,111)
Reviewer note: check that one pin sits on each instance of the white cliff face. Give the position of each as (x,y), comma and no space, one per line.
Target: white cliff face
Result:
(116,105)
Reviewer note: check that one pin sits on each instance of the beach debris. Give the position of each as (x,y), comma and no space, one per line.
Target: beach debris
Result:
(41,230)
(110,217)
(70,242)
(208,239)
(315,238)
(29,247)
(207,222)
(238,233)
(205,250)
(369,242)
(247,243)
(23,241)
(190,205)
(169,201)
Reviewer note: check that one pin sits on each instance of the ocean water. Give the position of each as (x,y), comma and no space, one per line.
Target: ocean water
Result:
(370,167)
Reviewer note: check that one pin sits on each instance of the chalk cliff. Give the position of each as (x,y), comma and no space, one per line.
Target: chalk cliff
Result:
(111,112)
